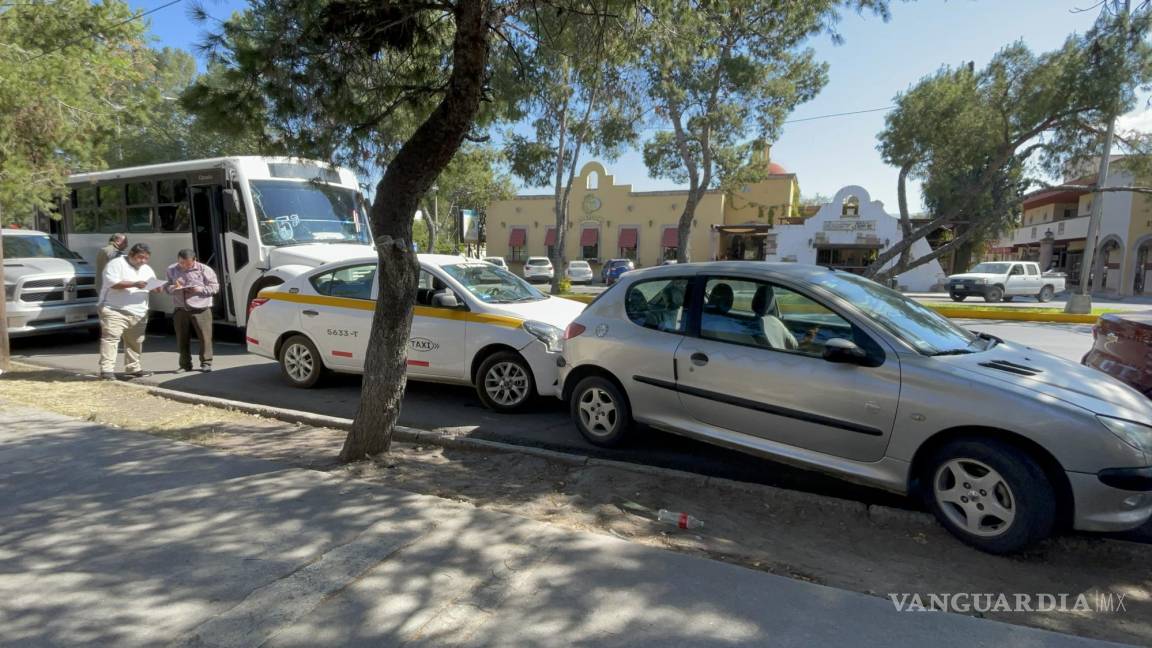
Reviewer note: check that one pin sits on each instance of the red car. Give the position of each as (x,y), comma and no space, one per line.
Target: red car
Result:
(1122,348)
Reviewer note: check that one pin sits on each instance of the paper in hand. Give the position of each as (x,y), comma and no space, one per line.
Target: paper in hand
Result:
(153,284)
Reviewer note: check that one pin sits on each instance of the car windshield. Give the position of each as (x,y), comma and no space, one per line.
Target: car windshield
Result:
(36,247)
(991,268)
(926,330)
(492,284)
(294,213)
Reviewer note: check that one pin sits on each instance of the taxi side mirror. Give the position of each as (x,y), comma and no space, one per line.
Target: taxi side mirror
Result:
(445,300)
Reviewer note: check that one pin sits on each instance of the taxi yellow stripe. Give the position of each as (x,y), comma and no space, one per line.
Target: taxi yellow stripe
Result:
(422,311)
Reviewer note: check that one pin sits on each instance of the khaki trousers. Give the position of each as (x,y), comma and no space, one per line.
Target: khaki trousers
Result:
(117,324)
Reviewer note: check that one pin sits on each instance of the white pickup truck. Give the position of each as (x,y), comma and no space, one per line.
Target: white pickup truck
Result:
(1002,280)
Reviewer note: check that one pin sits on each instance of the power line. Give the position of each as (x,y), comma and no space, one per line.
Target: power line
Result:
(843,114)
(87,36)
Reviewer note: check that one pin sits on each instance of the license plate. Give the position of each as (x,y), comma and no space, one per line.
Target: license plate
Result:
(72,318)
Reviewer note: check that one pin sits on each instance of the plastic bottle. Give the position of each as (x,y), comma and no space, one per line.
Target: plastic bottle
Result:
(682,520)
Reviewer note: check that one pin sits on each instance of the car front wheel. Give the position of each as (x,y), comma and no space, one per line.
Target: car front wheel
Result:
(504,382)
(990,495)
(601,412)
(300,362)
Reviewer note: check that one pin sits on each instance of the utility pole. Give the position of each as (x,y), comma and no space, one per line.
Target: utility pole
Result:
(4,353)
(1081,302)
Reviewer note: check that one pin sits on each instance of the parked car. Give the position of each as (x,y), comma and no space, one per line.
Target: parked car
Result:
(612,270)
(474,324)
(538,269)
(497,261)
(579,272)
(1121,344)
(47,287)
(831,371)
(1002,280)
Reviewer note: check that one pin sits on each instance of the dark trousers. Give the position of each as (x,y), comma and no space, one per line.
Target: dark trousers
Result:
(184,320)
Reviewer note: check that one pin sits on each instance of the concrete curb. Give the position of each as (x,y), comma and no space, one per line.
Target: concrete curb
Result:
(877,514)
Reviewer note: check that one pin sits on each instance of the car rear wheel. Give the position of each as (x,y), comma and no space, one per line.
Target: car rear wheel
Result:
(994,294)
(601,412)
(1046,294)
(990,495)
(504,382)
(958,298)
(300,362)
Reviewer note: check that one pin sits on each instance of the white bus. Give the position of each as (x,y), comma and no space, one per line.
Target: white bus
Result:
(257,221)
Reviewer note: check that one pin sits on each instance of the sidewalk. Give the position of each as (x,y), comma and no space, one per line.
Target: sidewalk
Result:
(123,539)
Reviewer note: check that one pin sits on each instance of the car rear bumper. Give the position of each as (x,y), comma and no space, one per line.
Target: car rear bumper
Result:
(1104,507)
(25,319)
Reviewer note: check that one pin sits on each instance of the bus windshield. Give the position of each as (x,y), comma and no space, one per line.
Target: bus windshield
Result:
(295,213)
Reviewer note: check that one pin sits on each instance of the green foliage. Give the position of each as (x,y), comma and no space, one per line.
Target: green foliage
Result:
(69,70)
(472,180)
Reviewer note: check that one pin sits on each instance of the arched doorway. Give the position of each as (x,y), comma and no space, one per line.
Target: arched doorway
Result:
(1142,268)
(1106,267)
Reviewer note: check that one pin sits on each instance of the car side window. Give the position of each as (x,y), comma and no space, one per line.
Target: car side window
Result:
(768,316)
(658,304)
(1033,271)
(1016,270)
(353,282)
(428,287)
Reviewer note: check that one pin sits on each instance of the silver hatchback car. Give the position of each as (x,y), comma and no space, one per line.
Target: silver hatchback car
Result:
(828,370)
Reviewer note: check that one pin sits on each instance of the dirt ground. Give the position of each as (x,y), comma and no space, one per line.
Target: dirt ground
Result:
(817,539)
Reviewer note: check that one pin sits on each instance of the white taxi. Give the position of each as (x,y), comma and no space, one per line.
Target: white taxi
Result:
(473,323)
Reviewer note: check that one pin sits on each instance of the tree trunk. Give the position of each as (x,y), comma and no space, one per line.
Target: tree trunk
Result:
(935,254)
(409,176)
(4,352)
(560,198)
(905,219)
(430,223)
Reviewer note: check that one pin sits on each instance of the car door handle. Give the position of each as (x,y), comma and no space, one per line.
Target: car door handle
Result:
(310,313)
(699,359)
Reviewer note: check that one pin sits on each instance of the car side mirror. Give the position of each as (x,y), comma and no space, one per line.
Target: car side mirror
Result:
(445,300)
(845,352)
(232,203)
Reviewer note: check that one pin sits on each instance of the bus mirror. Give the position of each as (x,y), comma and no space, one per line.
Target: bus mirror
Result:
(232,203)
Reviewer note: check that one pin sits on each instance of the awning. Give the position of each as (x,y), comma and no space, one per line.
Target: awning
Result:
(550,237)
(589,236)
(518,237)
(628,237)
(671,238)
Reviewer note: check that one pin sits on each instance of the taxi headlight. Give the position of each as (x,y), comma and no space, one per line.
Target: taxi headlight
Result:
(1137,435)
(552,337)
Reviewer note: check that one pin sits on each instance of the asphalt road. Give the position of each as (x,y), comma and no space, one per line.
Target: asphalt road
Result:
(241,376)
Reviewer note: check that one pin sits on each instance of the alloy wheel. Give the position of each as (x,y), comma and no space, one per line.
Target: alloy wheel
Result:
(974,497)
(506,383)
(298,362)
(598,412)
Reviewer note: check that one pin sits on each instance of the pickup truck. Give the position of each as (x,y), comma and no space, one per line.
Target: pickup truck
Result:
(47,287)
(1002,280)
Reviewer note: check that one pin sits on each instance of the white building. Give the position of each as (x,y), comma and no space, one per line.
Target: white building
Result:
(848,233)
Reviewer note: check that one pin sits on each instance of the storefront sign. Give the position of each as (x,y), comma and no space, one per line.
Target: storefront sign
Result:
(849,225)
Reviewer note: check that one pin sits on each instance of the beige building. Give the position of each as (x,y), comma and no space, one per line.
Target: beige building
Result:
(611,221)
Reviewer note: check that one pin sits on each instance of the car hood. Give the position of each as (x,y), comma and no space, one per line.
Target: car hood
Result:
(971,275)
(318,254)
(557,311)
(1055,377)
(16,268)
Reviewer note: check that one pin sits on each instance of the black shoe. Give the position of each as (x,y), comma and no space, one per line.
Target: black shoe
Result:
(205,368)
(139,374)
(107,375)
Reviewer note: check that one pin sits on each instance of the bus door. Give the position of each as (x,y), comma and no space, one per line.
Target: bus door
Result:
(208,241)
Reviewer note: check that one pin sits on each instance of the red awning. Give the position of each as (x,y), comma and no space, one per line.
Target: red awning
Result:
(628,237)
(590,236)
(518,237)
(550,237)
(671,238)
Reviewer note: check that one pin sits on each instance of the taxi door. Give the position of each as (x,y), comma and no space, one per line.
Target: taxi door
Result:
(339,318)
(436,347)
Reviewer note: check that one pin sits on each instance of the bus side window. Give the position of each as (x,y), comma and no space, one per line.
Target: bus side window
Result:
(84,209)
(111,218)
(174,210)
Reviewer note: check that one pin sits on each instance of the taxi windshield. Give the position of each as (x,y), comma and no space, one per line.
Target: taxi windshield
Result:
(925,329)
(492,284)
(294,213)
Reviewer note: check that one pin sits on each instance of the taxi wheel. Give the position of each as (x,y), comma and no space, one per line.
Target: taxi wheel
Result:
(601,412)
(504,382)
(990,495)
(300,362)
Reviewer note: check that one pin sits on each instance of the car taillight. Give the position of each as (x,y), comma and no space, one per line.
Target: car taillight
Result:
(573,330)
(252,305)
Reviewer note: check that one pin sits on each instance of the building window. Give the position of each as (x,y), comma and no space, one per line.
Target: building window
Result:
(851,207)
(629,238)
(1069,212)
(592,182)
(590,243)
(517,241)
(669,244)
(550,242)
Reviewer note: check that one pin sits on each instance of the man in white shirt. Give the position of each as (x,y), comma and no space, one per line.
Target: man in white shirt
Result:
(124,311)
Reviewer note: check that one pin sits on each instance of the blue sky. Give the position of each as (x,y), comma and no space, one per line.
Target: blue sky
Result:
(876,61)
